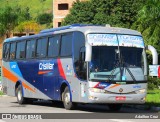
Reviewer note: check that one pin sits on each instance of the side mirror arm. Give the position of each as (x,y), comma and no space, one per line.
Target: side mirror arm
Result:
(154,54)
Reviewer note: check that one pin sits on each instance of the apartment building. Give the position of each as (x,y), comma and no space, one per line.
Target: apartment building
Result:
(60,10)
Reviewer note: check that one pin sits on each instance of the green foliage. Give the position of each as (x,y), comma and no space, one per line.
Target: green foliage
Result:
(1,93)
(11,17)
(36,7)
(148,23)
(8,20)
(153,83)
(44,18)
(28,26)
(153,97)
(81,12)
(120,13)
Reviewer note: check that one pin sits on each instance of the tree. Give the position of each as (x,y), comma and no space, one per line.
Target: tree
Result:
(44,18)
(28,26)
(81,12)
(8,20)
(148,23)
(120,13)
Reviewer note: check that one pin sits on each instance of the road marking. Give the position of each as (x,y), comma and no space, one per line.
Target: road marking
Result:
(120,120)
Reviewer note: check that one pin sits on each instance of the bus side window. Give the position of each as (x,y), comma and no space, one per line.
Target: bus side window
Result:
(20,51)
(6,51)
(41,47)
(66,45)
(79,56)
(53,46)
(30,51)
(12,51)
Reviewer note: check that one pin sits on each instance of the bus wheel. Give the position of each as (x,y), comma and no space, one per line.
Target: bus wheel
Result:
(20,98)
(114,107)
(66,100)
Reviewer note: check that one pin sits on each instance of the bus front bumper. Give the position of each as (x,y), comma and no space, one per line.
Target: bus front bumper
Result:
(116,98)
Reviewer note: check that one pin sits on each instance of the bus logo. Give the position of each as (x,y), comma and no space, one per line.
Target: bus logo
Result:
(46,66)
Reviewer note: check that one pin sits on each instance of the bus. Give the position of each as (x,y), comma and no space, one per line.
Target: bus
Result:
(77,64)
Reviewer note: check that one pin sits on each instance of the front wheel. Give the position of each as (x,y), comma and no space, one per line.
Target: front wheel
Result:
(20,98)
(68,104)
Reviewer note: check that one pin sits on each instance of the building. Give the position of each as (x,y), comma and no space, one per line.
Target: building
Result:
(60,10)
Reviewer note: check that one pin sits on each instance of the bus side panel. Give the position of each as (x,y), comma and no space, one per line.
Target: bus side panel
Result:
(7,83)
(77,87)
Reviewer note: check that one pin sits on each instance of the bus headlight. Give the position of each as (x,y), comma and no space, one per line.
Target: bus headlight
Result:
(96,90)
(141,91)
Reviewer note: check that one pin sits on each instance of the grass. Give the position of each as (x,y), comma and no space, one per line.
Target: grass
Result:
(35,6)
(1,93)
(153,97)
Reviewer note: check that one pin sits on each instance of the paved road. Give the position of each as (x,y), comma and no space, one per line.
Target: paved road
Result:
(10,105)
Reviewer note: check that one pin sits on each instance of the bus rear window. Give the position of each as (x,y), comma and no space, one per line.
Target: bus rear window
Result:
(6,51)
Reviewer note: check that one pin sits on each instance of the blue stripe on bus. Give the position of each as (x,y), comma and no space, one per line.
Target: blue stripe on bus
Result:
(48,83)
(14,67)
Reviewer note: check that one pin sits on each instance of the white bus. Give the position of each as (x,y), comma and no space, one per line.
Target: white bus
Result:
(77,64)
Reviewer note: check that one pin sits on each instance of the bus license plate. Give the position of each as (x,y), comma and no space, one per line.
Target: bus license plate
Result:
(120,98)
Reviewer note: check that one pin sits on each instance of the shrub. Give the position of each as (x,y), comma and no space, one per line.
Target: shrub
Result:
(153,83)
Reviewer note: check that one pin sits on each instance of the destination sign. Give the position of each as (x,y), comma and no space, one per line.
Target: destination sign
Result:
(130,41)
(102,39)
(115,40)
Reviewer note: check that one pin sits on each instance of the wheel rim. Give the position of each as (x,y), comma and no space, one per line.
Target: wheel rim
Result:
(67,98)
(19,95)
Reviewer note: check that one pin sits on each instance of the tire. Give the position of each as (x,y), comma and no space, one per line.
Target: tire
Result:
(68,104)
(114,107)
(20,98)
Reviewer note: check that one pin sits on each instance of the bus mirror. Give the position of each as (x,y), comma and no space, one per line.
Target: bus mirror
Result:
(88,53)
(154,54)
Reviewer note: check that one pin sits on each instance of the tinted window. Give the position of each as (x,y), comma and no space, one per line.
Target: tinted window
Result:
(66,45)
(6,51)
(20,53)
(12,50)
(79,55)
(53,46)
(31,49)
(41,47)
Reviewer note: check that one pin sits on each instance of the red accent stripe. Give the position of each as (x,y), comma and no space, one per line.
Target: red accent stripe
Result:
(96,85)
(43,72)
(60,68)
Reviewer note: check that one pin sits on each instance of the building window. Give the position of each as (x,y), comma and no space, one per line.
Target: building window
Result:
(63,6)
(59,24)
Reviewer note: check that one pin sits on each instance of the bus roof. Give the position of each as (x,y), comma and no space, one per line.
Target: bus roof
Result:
(78,27)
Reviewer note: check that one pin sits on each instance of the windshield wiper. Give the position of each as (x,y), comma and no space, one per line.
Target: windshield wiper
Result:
(129,71)
(112,73)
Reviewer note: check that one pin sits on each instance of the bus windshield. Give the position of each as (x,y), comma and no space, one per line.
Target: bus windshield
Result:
(116,64)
